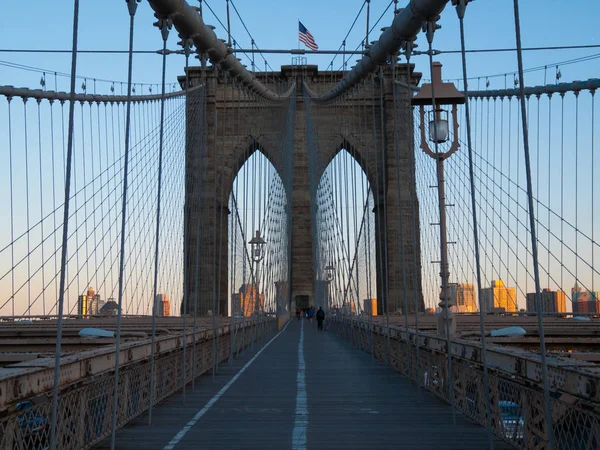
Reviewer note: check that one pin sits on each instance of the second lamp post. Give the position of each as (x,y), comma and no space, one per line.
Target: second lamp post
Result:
(436,94)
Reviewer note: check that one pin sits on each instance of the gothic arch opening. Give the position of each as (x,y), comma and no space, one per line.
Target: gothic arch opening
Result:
(258,275)
(345,245)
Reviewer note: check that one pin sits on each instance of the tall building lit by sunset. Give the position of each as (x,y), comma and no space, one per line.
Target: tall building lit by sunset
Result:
(247,301)
(89,303)
(498,297)
(585,301)
(463,296)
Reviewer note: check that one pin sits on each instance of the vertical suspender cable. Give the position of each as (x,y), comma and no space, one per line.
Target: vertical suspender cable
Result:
(85,243)
(413,194)
(380,215)
(537,179)
(42,206)
(214,218)
(27,217)
(549,185)
(12,208)
(198,186)
(402,239)
(354,214)
(132,6)
(164,29)
(54,444)
(386,267)
(369,277)
(53,194)
(538,299)
(460,9)
(243,251)
(228,24)
(485,177)
(220,227)
(576,187)
(562,185)
(367,30)
(253,198)
(592,93)
(344,159)
(518,241)
(232,311)
(502,190)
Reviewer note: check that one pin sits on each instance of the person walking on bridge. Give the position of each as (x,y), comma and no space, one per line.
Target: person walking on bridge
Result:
(320,318)
(311,313)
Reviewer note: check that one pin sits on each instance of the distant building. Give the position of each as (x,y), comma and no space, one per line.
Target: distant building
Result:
(463,296)
(110,308)
(370,307)
(162,305)
(575,291)
(499,297)
(247,301)
(552,301)
(585,301)
(89,304)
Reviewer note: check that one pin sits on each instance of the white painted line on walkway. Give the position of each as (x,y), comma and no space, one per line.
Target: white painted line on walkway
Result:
(301,420)
(171,445)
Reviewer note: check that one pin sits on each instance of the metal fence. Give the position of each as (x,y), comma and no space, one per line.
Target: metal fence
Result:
(84,414)
(517,405)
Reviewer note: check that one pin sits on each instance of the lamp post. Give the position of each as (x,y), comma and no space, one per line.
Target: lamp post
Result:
(329,276)
(436,94)
(257,244)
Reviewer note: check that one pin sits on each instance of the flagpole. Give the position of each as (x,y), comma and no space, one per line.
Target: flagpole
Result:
(298,33)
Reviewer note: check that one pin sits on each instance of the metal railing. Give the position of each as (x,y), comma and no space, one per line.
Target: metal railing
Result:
(84,412)
(517,403)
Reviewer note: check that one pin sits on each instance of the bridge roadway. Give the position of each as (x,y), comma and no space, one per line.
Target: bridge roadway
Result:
(353,402)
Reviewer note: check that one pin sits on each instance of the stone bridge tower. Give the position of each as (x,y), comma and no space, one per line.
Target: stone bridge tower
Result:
(206,215)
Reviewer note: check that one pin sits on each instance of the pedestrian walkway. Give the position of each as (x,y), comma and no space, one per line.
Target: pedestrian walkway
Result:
(351,402)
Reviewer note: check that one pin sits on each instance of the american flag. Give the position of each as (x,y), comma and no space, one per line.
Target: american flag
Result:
(305,36)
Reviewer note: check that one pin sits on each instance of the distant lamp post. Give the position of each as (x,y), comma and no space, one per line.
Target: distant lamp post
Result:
(257,245)
(436,94)
(329,273)
(329,276)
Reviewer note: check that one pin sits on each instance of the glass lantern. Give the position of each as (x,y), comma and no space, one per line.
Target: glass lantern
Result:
(329,273)
(257,243)
(438,126)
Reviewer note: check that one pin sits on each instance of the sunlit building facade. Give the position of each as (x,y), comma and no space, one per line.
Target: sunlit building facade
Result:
(247,301)
(585,301)
(370,307)
(463,296)
(163,305)
(552,301)
(89,304)
(498,297)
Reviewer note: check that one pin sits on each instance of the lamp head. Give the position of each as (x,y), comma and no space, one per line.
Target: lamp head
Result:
(329,273)
(257,243)
(445,93)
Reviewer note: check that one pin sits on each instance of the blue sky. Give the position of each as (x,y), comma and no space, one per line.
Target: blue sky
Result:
(273,24)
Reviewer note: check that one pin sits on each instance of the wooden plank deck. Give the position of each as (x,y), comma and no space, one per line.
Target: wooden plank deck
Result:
(353,403)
